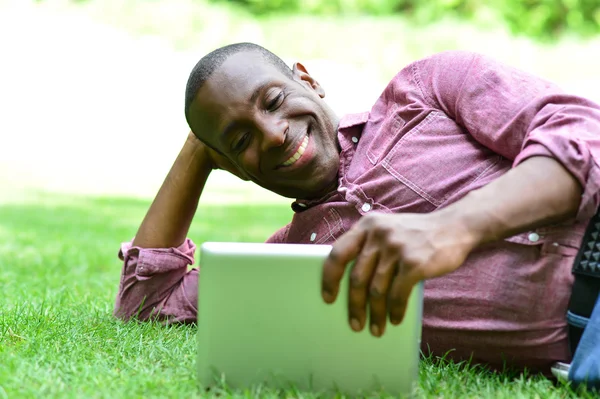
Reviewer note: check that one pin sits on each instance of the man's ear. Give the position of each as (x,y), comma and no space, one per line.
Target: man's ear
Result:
(302,76)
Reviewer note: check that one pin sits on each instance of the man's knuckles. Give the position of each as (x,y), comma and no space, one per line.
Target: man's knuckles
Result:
(337,256)
(367,221)
(359,279)
(376,291)
(382,232)
(381,281)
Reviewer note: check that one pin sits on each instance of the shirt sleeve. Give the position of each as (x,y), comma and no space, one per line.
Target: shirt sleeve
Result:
(512,112)
(156,284)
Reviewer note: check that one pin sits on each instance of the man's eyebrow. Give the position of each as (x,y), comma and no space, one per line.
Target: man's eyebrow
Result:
(257,91)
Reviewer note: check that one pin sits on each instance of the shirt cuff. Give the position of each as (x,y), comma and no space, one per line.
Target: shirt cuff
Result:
(150,261)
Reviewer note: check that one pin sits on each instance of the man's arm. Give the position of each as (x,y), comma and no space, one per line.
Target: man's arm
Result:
(537,192)
(155,281)
(394,252)
(552,139)
(169,218)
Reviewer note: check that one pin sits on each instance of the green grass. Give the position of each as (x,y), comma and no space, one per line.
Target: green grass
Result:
(59,273)
(379,45)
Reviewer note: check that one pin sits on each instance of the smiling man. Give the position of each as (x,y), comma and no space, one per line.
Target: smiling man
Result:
(287,158)
(466,173)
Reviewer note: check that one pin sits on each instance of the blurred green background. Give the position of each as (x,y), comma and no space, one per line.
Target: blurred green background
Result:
(92,90)
(543,19)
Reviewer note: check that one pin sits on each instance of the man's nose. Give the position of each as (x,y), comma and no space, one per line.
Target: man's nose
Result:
(274,133)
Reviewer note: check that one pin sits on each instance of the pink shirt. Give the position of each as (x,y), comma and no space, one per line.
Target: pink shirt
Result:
(444,126)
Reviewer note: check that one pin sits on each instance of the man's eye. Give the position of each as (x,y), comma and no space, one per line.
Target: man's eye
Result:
(276,102)
(241,143)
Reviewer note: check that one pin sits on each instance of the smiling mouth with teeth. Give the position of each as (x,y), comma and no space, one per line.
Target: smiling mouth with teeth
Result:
(291,160)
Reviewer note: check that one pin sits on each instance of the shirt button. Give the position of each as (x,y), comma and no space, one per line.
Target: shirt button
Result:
(355,139)
(366,207)
(313,236)
(534,237)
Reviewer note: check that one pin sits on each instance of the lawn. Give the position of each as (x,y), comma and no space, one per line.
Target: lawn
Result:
(59,273)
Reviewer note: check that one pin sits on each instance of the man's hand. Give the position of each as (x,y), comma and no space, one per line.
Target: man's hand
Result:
(217,160)
(393,252)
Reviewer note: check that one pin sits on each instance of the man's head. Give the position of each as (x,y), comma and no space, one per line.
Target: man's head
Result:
(268,120)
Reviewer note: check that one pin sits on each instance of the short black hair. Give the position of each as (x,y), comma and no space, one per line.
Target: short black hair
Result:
(211,61)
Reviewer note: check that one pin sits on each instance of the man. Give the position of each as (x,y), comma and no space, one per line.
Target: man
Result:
(466,173)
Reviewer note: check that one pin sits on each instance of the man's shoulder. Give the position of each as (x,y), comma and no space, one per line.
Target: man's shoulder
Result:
(437,68)
(447,57)
(280,236)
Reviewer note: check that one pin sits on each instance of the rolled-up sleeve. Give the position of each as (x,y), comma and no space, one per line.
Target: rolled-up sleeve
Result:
(156,283)
(571,135)
(514,113)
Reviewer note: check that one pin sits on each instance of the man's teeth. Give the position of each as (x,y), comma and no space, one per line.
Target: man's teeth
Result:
(291,160)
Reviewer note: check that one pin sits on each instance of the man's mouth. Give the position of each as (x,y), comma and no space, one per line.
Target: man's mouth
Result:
(298,154)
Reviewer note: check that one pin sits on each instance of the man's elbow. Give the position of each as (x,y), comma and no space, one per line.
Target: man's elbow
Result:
(127,309)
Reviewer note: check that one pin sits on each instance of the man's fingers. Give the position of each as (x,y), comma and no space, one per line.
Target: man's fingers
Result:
(360,278)
(344,250)
(398,297)
(378,294)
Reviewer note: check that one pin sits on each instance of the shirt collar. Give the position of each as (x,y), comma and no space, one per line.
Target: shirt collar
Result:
(347,121)
(353,120)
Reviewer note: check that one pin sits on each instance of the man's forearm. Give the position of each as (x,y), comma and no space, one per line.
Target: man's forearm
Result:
(168,220)
(537,192)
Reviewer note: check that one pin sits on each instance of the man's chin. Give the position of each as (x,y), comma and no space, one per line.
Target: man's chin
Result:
(310,188)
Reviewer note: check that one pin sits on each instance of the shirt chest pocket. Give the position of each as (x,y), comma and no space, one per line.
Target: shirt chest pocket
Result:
(437,159)
(324,229)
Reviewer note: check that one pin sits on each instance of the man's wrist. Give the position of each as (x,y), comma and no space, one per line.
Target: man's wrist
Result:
(468,221)
(200,153)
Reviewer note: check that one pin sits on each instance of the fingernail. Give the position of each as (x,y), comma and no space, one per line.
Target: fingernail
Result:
(375,330)
(355,325)
(327,297)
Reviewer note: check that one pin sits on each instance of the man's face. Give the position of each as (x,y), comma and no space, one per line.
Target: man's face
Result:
(276,131)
